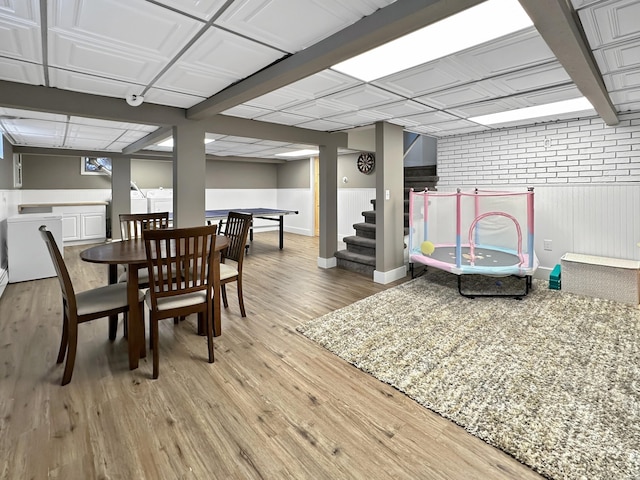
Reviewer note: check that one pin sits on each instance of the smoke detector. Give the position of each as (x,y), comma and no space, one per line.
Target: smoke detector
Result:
(135,100)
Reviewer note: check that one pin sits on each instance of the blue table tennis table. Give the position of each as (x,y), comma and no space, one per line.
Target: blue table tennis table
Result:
(273,214)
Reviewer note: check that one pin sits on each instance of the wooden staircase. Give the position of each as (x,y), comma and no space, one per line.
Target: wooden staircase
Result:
(360,254)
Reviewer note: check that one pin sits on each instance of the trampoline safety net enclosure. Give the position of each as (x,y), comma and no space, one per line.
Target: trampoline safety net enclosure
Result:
(476,232)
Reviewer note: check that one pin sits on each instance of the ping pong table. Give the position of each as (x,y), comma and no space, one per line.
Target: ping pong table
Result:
(272,214)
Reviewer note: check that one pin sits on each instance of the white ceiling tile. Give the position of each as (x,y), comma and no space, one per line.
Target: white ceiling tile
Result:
(485,107)
(80,82)
(284,118)
(462,95)
(276,100)
(622,80)
(204,9)
(281,23)
(183,79)
(21,72)
(70,53)
(35,130)
(133,26)
(320,108)
(519,50)
(172,99)
(217,53)
(625,97)
(362,97)
(15,113)
(321,84)
(20,40)
(428,118)
(534,78)
(354,119)
(246,111)
(424,79)
(326,125)
(549,95)
(401,108)
(611,21)
(618,57)
(113,125)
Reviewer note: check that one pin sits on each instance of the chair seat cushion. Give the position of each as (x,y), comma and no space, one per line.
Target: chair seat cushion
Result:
(104,298)
(178,301)
(227,271)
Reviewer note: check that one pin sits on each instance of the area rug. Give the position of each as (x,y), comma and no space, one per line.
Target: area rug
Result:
(552,379)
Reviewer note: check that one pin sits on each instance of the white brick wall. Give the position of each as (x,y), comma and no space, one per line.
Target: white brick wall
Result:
(584,151)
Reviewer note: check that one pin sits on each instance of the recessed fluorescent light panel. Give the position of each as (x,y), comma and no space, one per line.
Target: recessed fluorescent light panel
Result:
(484,22)
(169,142)
(566,106)
(298,153)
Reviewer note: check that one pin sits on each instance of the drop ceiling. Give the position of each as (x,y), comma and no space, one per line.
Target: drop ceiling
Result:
(270,61)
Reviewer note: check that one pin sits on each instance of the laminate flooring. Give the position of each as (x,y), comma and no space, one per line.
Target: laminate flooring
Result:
(274,405)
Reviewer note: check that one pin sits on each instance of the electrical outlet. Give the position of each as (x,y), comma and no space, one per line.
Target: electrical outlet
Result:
(547,245)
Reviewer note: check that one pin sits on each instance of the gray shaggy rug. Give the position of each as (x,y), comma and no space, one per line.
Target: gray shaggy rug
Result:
(552,379)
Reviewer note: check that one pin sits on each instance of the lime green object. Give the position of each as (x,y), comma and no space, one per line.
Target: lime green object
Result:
(427,248)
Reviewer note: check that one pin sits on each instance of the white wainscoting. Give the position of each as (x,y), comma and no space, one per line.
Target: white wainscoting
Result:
(9,200)
(301,200)
(68,196)
(351,203)
(602,220)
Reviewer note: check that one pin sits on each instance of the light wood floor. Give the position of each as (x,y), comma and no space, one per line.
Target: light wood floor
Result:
(274,405)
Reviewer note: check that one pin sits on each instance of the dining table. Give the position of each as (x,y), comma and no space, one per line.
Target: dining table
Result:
(132,253)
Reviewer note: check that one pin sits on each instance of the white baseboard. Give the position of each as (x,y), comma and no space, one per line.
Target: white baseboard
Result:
(298,231)
(331,262)
(390,276)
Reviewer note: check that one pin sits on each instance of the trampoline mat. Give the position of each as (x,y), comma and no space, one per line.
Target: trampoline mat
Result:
(485,257)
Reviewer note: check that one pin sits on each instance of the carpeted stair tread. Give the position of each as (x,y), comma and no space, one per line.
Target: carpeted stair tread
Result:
(356,257)
(361,241)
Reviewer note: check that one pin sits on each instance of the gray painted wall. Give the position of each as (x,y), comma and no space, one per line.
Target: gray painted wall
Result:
(43,172)
(6,166)
(221,174)
(152,173)
(294,174)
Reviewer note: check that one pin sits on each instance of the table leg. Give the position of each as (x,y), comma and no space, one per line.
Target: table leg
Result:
(113,319)
(135,322)
(281,232)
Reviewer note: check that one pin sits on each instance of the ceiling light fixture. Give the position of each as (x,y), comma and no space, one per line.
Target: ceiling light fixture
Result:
(135,100)
(484,22)
(574,105)
(298,153)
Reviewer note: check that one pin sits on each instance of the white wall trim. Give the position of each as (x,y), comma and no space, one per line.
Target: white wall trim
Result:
(390,276)
(331,262)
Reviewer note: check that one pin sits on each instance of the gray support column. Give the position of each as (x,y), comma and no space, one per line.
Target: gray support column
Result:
(389,204)
(189,175)
(120,192)
(328,165)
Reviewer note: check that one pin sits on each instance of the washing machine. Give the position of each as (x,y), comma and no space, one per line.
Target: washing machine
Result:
(160,200)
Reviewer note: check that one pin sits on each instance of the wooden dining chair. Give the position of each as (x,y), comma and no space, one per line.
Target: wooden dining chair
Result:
(131,226)
(236,229)
(181,279)
(82,306)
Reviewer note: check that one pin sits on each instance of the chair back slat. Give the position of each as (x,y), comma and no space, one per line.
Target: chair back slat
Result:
(68,293)
(237,230)
(133,224)
(179,260)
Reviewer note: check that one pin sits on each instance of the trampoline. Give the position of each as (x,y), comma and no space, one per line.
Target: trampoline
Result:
(479,232)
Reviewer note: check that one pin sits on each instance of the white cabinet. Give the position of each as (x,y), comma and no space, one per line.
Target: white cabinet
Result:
(93,225)
(70,227)
(83,223)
